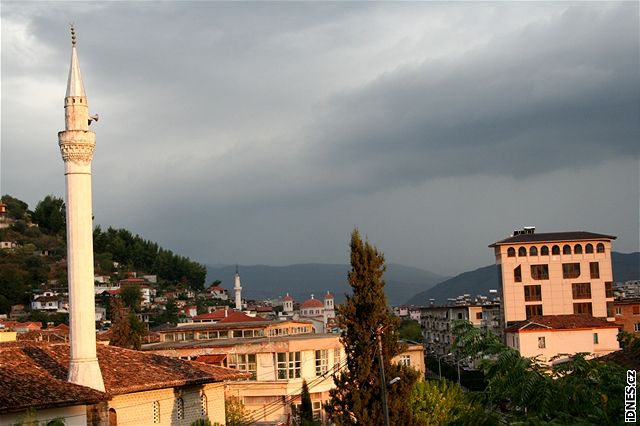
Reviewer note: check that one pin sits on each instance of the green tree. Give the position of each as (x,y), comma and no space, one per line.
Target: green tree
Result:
(306,409)
(365,317)
(131,296)
(126,329)
(441,402)
(50,215)
(17,209)
(410,330)
(235,412)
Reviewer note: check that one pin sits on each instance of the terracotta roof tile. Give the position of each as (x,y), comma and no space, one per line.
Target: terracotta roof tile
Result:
(27,365)
(312,303)
(239,317)
(560,322)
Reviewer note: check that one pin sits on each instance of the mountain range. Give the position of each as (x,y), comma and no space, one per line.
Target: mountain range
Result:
(301,280)
(404,284)
(626,266)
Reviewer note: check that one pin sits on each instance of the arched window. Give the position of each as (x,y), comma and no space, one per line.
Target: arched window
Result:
(588,248)
(566,249)
(113,417)
(156,411)
(555,250)
(600,248)
(180,408)
(511,252)
(522,251)
(544,251)
(577,249)
(203,404)
(533,251)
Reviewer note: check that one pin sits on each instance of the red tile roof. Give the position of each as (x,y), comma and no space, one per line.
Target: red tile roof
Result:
(560,322)
(287,298)
(215,315)
(35,374)
(554,236)
(328,295)
(239,317)
(211,359)
(312,303)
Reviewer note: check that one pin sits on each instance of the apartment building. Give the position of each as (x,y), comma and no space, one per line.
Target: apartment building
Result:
(551,282)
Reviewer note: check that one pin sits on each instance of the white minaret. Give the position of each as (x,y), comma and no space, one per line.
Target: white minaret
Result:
(238,290)
(76,145)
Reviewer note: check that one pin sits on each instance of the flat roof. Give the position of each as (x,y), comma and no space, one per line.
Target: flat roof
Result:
(551,237)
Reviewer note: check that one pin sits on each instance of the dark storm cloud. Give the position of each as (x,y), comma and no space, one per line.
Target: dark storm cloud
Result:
(550,96)
(263,132)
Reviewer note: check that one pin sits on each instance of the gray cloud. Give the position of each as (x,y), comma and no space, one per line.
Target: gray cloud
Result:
(263,132)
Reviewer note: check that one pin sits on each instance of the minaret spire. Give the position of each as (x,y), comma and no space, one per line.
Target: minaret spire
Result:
(77,143)
(75,87)
(238,290)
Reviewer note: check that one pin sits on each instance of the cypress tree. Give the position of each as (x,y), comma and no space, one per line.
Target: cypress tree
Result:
(365,317)
(306,409)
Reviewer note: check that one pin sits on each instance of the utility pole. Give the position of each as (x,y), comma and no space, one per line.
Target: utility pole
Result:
(385,407)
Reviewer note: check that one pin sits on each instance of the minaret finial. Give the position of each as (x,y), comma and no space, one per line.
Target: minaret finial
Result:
(236,268)
(73,35)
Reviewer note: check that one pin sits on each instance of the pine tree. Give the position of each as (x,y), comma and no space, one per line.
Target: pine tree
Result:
(306,409)
(365,317)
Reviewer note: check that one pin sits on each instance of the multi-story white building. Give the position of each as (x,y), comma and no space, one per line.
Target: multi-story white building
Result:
(560,282)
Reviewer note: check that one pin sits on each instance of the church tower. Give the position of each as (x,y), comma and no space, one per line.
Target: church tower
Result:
(238,290)
(76,145)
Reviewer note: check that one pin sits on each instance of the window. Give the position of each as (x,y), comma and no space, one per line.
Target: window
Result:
(533,251)
(180,408)
(555,250)
(566,249)
(405,360)
(540,272)
(156,412)
(478,315)
(588,248)
(582,308)
(541,343)
(609,309)
(600,248)
(636,326)
(533,310)
(460,315)
(594,269)
(243,362)
(322,362)
(635,309)
(522,252)
(577,249)
(608,289)
(570,270)
(581,290)
(336,359)
(517,274)
(511,252)
(595,338)
(532,293)
(288,365)
(113,417)
(203,404)
(544,251)
(618,310)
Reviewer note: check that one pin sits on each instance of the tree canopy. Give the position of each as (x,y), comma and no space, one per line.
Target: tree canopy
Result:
(364,317)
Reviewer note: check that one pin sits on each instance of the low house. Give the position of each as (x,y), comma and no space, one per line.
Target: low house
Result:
(551,335)
(140,388)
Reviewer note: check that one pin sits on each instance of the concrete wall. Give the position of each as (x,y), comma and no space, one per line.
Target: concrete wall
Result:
(73,416)
(138,408)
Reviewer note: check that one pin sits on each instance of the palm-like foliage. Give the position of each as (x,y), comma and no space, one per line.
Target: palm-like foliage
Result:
(528,391)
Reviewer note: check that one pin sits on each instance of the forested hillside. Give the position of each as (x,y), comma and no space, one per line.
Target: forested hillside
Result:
(35,253)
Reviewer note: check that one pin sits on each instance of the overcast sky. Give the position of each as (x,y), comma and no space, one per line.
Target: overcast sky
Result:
(262,133)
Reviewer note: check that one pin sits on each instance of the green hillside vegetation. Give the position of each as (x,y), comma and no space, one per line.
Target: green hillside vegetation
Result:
(40,254)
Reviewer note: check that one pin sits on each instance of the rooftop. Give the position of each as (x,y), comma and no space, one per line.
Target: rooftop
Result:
(560,322)
(35,374)
(554,237)
(221,343)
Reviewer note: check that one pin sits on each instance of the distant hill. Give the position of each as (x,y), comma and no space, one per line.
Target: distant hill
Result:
(265,282)
(626,266)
